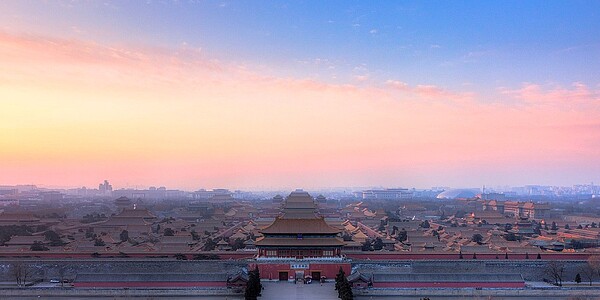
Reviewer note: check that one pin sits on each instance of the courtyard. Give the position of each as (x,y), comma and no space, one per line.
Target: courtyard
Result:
(286,290)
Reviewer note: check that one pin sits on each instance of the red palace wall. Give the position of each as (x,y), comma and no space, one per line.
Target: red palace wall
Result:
(466,256)
(225,255)
(449,284)
(150,284)
(271,270)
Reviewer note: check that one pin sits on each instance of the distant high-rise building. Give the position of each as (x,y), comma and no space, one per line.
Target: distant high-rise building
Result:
(204,194)
(105,187)
(385,194)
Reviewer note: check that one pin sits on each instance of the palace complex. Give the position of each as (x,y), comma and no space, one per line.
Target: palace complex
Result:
(302,239)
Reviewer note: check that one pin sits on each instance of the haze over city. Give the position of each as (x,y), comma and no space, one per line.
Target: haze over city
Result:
(299,149)
(274,94)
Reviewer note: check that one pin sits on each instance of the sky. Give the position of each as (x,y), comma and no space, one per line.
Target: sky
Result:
(299,94)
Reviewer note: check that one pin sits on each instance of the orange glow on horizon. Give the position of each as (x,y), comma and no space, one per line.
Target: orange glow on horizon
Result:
(76,112)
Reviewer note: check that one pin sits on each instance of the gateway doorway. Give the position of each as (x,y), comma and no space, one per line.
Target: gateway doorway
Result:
(283,276)
(316,276)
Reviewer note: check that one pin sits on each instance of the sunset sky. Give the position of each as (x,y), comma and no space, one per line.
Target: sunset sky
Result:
(274,94)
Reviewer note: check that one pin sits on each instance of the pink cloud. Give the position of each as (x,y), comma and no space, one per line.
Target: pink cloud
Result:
(429,92)
(177,112)
(399,85)
(24,53)
(361,78)
(533,94)
(64,58)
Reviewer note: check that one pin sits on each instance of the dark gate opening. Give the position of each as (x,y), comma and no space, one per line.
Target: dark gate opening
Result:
(316,276)
(283,276)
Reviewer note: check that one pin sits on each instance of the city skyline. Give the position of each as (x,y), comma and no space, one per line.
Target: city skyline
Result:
(286,95)
(522,190)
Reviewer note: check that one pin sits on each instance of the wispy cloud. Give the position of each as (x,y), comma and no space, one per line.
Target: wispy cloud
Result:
(67,57)
(578,95)
(475,56)
(431,92)
(107,105)
(361,78)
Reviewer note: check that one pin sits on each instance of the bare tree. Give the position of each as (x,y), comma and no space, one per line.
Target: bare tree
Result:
(588,272)
(21,273)
(61,275)
(594,263)
(555,270)
(17,272)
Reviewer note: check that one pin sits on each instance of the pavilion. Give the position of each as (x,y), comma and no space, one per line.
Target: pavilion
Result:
(301,238)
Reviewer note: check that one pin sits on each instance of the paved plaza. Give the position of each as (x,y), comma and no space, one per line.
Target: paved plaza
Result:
(286,290)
